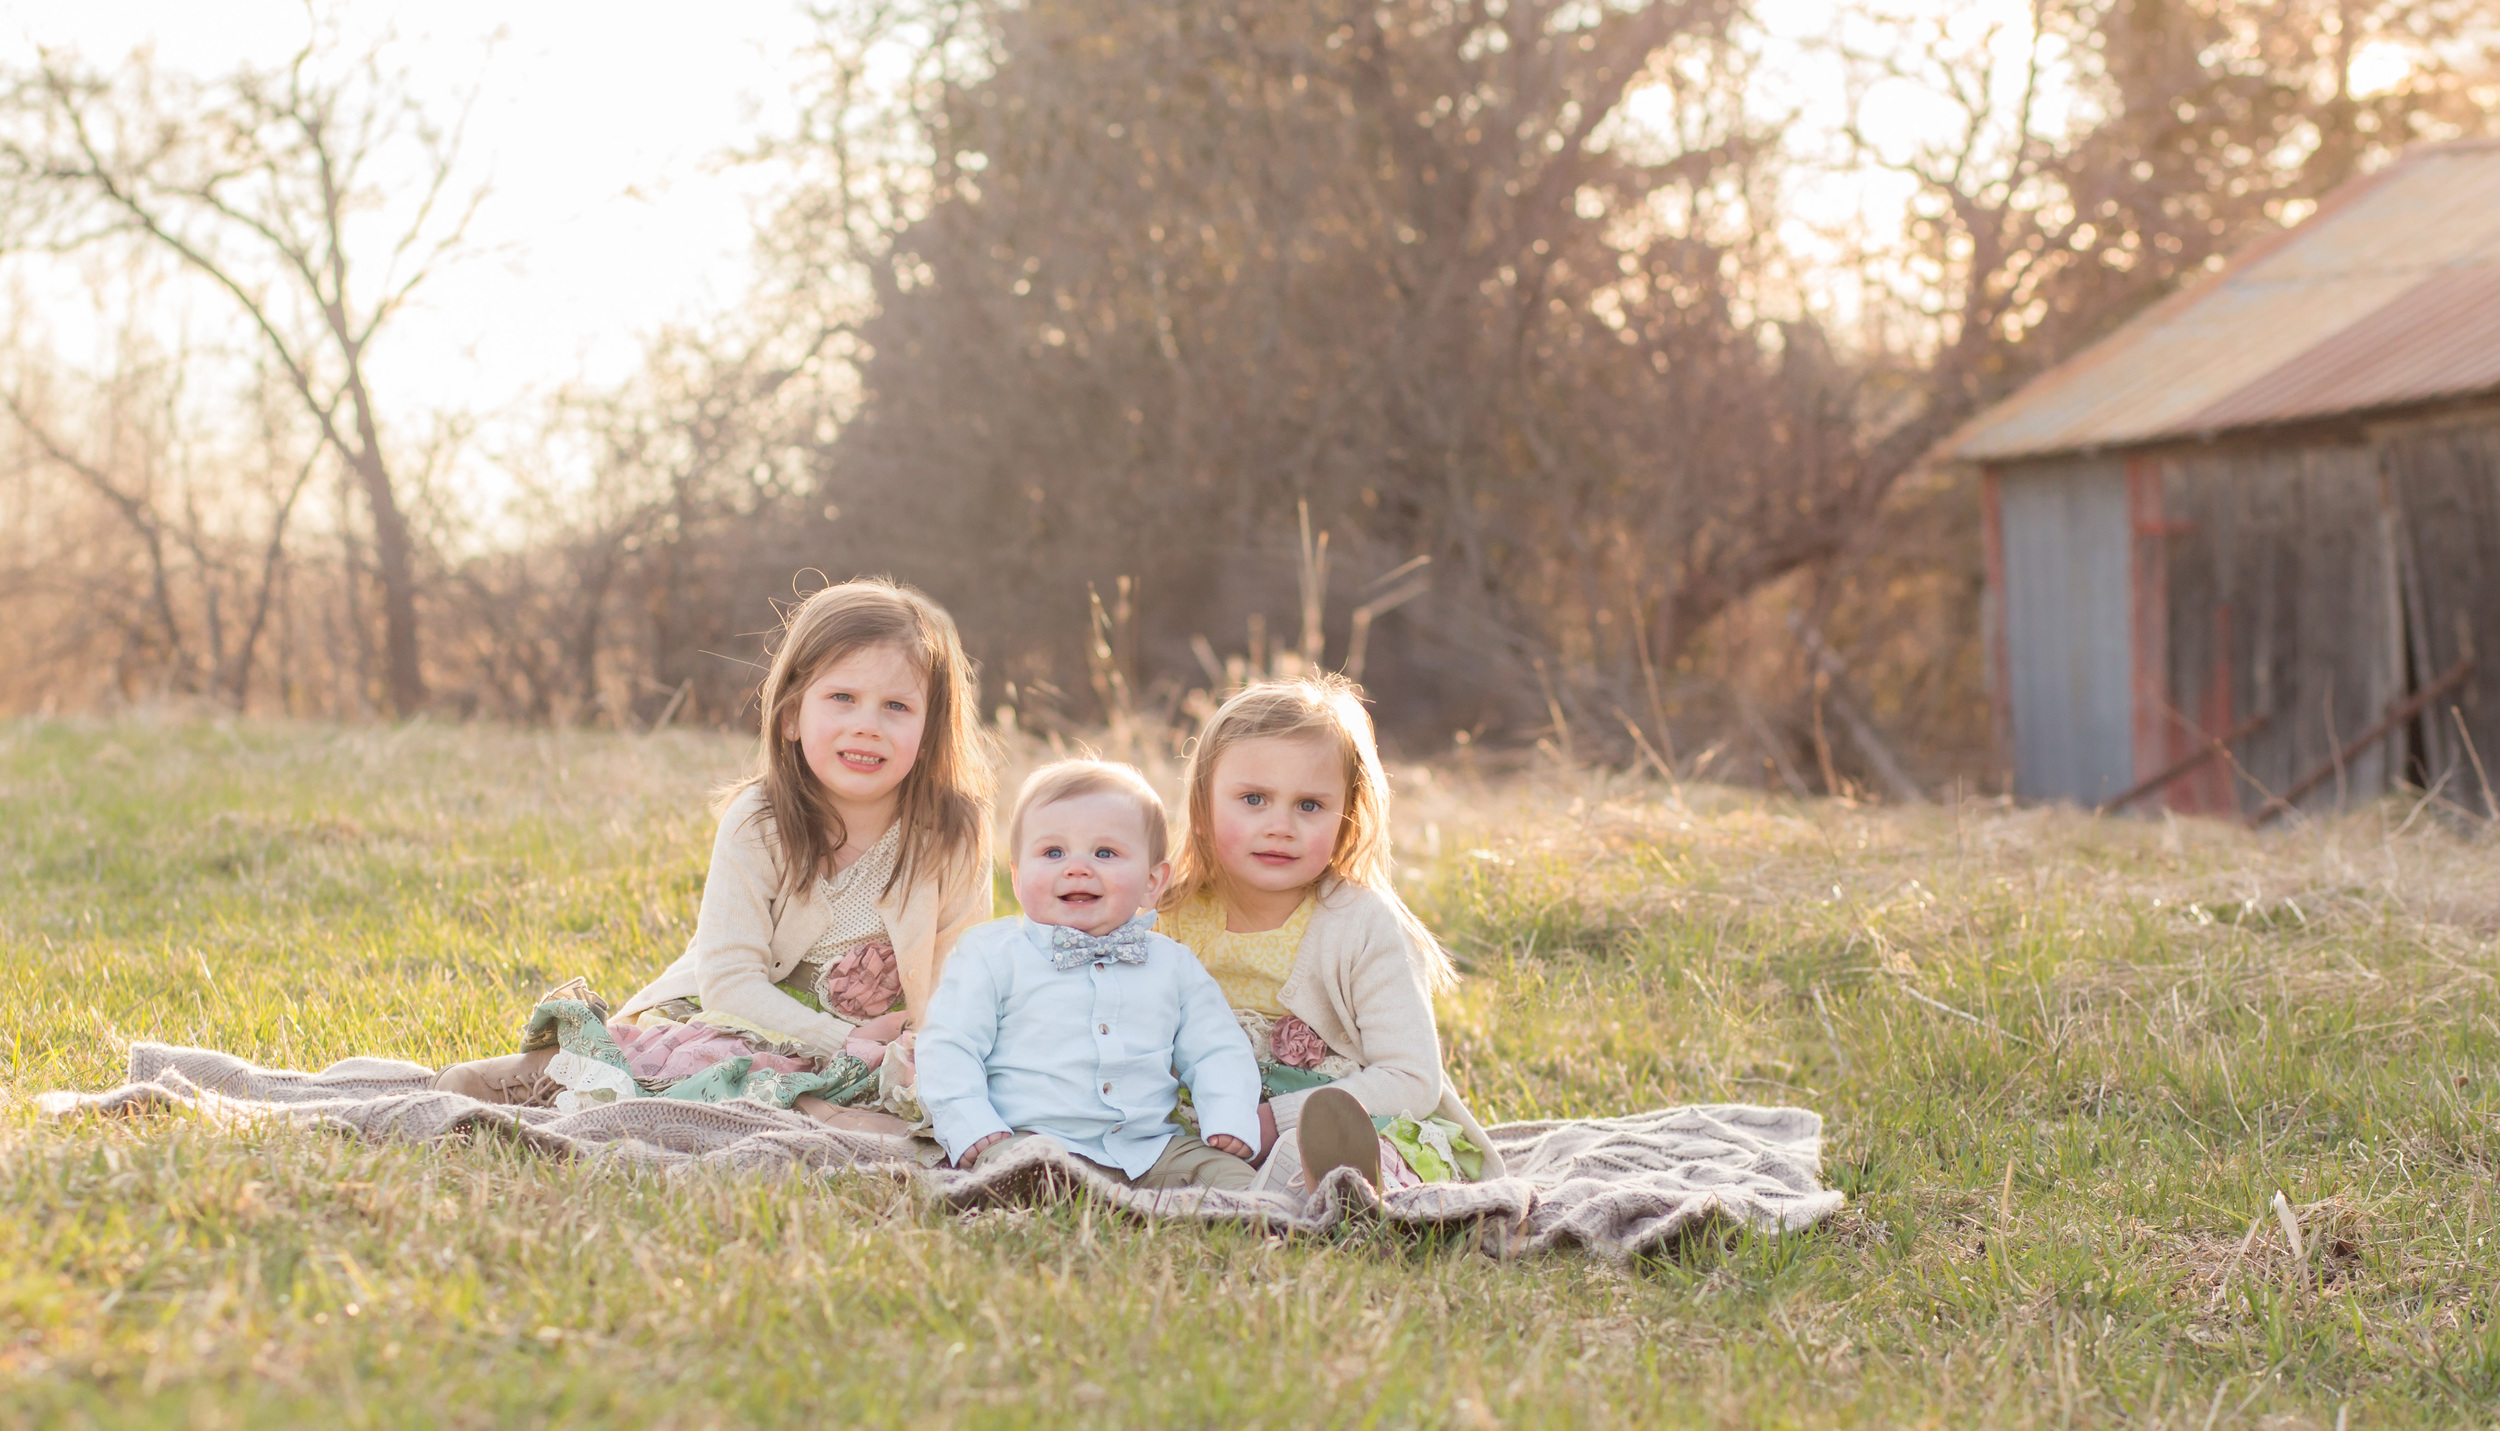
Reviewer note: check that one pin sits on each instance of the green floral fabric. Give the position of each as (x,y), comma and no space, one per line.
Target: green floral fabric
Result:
(1436,1148)
(579,1027)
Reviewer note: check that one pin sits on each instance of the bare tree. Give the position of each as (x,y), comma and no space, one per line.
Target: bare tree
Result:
(2183,129)
(267,185)
(205,508)
(137,509)
(1175,270)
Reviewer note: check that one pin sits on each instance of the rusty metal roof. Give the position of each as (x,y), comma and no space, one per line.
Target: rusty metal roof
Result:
(2389,295)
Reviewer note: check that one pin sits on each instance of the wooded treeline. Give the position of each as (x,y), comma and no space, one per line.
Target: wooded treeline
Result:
(1522,304)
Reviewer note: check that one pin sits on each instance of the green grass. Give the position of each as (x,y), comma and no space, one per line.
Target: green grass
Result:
(2066,1065)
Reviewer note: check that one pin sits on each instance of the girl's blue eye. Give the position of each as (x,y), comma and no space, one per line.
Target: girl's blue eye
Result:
(1053,853)
(1106,853)
(1254,799)
(1310,807)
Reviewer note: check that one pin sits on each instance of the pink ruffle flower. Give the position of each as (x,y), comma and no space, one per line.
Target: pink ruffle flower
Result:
(1296,1044)
(863,983)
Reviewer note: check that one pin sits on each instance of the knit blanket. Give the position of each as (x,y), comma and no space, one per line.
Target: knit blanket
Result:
(1617,1187)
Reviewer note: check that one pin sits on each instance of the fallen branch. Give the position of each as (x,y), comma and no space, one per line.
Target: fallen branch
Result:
(2214,748)
(1861,730)
(2411,707)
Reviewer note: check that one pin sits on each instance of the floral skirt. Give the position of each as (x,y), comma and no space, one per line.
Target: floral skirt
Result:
(681,1050)
(598,1061)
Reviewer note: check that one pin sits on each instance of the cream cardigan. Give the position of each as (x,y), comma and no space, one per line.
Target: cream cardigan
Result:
(1358,981)
(749,934)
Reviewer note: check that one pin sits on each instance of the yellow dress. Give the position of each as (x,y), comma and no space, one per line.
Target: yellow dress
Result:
(1249,968)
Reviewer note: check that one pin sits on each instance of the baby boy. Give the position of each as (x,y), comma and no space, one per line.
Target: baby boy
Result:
(1077,1020)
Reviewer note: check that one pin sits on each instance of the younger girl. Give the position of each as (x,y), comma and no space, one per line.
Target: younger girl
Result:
(845,867)
(1282,887)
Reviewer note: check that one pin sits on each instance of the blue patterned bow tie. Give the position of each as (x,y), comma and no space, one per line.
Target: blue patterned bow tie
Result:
(1073,948)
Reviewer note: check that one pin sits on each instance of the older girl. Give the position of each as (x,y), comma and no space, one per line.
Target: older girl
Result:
(844,869)
(1283,888)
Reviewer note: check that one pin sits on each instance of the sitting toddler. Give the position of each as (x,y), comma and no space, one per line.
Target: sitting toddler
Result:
(1078,1021)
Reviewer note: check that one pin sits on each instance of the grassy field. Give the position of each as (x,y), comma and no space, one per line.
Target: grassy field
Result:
(2067,1066)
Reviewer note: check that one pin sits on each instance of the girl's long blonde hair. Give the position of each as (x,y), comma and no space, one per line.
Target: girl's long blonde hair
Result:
(945,801)
(1323,707)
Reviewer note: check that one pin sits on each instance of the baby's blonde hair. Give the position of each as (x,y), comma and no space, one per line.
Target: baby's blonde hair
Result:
(1066,779)
(1323,707)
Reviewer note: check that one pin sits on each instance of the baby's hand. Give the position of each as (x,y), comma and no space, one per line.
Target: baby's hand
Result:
(1227,1143)
(884,1028)
(869,1041)
(973,1154)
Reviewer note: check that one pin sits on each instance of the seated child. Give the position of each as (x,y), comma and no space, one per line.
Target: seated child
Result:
(1077,1020)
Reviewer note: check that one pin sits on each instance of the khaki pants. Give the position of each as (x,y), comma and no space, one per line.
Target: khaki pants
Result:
(1186,1163)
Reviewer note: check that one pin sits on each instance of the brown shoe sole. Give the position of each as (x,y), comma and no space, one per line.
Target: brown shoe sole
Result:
(1336,1133)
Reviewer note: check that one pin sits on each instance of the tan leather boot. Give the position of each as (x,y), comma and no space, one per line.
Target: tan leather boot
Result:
(517,1079)
(1336,1133)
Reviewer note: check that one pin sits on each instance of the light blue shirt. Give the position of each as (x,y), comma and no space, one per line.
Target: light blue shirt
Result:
(1094,1056)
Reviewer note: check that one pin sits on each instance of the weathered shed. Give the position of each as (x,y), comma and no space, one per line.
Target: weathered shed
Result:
(2259,526)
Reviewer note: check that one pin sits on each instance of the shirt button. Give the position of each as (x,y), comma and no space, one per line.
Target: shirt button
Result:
(1106,1028)
(1106,1088)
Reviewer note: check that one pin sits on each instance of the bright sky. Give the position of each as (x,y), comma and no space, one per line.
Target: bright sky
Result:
(598,125)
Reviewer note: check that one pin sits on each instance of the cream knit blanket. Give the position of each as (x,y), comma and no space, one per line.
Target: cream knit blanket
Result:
(1619,1187)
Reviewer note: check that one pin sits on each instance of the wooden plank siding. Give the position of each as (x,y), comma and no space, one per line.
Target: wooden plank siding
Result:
(2317,577)
(2445,479)
(2280,600)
